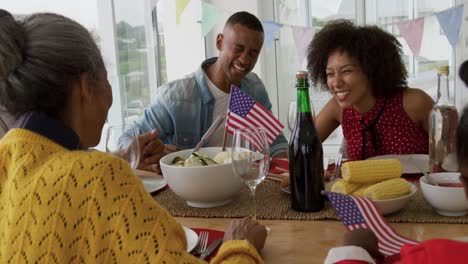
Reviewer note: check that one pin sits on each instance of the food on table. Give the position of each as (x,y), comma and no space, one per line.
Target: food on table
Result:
(374,179)
(345,187)
(388,189)
(195,159)
(223,157)
(366,171)
(360,192)
(177,160)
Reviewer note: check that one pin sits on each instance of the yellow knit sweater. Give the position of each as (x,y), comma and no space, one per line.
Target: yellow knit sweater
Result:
(62,206)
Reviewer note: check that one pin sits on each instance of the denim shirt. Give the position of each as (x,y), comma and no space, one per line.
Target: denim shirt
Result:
(182,110)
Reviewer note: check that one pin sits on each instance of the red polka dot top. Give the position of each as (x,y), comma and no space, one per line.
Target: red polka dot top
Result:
(385,129)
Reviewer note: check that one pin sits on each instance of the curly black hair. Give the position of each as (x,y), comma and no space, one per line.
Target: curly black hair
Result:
(463,72)
(378,53)
(462,132)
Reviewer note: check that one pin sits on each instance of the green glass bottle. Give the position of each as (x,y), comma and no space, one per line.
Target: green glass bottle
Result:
(305,154)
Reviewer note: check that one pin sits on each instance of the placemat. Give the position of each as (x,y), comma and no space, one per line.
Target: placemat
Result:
(274,204)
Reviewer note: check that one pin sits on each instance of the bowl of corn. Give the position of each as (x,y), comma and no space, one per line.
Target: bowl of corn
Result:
(378,180)
(392,205)
(447,200)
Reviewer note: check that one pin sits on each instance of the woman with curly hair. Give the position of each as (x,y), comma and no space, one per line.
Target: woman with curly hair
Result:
(362,67)
(361,245)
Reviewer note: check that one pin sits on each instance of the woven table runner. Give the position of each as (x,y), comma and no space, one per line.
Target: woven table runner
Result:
(274,204)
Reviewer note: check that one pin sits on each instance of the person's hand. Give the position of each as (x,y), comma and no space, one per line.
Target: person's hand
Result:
(152,149)
(364,238)
(249,229)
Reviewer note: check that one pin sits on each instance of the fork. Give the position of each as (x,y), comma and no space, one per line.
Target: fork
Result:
(336,171)
(202,243)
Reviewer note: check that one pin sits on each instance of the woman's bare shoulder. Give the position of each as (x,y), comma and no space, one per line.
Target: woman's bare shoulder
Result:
(417,105)
(416,98)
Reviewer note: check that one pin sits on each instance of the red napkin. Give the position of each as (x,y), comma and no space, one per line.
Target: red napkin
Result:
(212,236)
(412,177)
(278,166)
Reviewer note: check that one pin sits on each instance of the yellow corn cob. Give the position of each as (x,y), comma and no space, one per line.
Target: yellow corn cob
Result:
(344,187)
(367,171)
(360,191)
(388,189)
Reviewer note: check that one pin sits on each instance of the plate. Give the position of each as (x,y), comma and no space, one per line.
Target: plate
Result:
(408,161)
(192,238)
(153,184)
(462,239)
(151,180)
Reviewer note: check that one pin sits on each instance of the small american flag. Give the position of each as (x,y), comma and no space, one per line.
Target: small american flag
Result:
(357,212)
(244,111)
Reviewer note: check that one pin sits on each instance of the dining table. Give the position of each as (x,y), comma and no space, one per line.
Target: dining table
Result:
(298,237)
(292,241)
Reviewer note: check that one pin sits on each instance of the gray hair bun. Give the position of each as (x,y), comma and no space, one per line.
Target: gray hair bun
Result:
(40,57)
(12,39)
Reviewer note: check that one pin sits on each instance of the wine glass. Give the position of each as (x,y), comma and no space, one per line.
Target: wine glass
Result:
(251,158)
(292,113)
(122,141)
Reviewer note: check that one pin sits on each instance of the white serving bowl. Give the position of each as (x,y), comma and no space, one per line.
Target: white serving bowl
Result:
(389,206)
(447,201)
(201,186)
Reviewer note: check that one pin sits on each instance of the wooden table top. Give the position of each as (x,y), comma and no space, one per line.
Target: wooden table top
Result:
(309,241)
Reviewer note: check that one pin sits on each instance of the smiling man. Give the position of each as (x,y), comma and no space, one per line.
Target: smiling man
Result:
(184,109)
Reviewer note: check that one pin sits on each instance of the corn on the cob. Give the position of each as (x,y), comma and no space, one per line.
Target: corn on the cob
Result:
(344,187)
(367,171)
(388,189)
(360,191)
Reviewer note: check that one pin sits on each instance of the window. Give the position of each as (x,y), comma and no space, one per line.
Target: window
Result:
(151,49)
(133,54)
(435,48)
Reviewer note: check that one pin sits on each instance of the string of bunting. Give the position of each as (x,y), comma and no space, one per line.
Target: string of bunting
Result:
(450,21)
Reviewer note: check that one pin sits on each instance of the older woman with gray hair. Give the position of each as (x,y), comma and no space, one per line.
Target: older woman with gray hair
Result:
(5,122)
(61,202)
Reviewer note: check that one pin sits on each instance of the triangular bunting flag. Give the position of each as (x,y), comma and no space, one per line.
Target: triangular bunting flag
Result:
(180,7)
(302,36)
(270,28)
(210,16)
(153,3)
(450,21)
(412,32)
(336,6)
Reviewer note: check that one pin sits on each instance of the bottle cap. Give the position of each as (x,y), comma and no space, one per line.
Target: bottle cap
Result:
(443,70)
(302,75)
